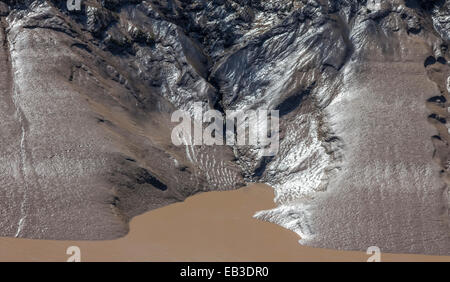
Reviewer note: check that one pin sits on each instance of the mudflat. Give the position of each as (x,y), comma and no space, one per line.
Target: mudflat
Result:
(213,226)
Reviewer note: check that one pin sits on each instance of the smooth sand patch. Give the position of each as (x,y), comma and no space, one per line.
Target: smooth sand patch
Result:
(214,226)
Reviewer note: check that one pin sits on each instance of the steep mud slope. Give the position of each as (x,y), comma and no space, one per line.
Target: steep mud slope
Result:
(385,190)
(361,87)
(87,145)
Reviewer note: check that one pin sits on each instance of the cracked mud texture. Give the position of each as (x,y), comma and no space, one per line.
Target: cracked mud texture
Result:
(361,86)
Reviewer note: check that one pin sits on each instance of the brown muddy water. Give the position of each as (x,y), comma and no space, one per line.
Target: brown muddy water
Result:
(213,226)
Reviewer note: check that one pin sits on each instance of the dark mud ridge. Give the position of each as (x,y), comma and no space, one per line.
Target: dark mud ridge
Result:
(362,88)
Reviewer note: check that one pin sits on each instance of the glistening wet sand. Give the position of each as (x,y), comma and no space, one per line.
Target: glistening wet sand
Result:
(213,226)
